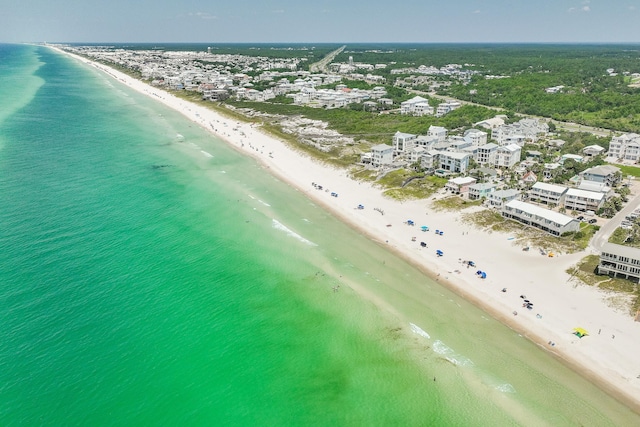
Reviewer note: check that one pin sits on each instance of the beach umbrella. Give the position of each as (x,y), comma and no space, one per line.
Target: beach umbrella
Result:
(580,332)
(483,275)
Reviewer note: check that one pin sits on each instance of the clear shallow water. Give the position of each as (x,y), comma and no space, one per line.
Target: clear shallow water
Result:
(145,282)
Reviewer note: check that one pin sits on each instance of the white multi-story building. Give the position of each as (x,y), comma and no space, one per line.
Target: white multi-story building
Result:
(618,260)
(583,200)
(549,194)
(381,155)
(499,198)
(438,132)
(476,136)
(457,162)
(525,129)
(446,107)
(417,106)
(403,142)
(486,154)
(507,156)
(625,147)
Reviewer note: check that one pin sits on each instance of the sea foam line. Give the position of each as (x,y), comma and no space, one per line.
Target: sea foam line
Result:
(206,154)
(417,330)
(448,353)
(279,226)
(264,203)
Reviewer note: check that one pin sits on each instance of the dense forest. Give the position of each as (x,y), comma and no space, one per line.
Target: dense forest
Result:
(590,94)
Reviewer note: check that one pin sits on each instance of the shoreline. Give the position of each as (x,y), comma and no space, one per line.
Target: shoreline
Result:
(607,362)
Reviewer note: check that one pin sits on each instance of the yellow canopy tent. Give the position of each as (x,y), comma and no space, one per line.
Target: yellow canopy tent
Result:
(580,332)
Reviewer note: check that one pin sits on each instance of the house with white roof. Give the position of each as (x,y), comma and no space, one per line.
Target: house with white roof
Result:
(549,194)
(593,151)
(491,123)
(459,185)
(574,157)
(551,169)
(477,137)
(481,190)
(416,106)
(599,187)
(582,200)
(552,222)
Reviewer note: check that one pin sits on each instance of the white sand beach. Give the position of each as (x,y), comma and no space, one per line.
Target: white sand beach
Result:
(608,355)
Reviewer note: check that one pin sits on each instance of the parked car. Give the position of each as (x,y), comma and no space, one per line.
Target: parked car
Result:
(580,218)
(593,221)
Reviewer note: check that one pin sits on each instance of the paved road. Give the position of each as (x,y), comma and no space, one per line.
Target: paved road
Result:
(602,236)
(321,66)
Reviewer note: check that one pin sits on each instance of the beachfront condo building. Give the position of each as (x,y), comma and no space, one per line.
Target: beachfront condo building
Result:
(536,216)
(620,261)
(381,155)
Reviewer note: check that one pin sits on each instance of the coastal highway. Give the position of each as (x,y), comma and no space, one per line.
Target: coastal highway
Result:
(321,65)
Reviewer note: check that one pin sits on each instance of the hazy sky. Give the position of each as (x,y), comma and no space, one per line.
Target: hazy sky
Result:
(345,21)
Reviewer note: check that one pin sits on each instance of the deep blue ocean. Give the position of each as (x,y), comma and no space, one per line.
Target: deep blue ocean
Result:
(144,283)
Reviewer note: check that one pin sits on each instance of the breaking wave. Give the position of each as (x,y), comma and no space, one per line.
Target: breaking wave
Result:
(448,353)
(416,330)
(279,226)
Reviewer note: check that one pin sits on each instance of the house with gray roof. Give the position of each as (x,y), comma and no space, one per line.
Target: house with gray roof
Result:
(607,174)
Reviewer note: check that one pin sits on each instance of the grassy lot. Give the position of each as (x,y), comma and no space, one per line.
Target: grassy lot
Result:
(454,203)
(623,237)
(360,173)
(404,184)
(629,170)
(623,294)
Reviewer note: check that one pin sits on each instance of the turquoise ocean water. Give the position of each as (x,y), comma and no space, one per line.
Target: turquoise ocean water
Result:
(151,275)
